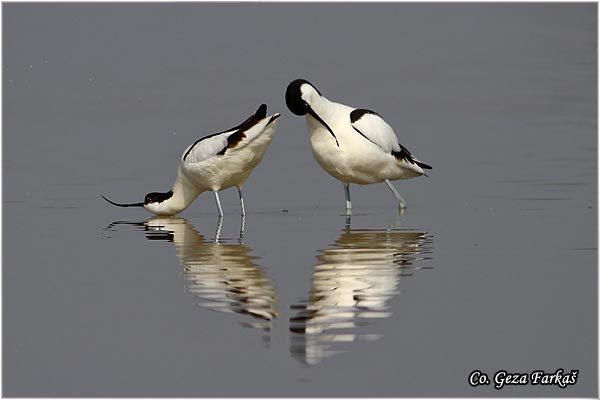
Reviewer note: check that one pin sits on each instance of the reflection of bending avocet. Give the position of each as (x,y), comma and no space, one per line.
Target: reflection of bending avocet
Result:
(223,275)
(352,282)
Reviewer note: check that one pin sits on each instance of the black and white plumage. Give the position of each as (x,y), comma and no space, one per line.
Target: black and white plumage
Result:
(215,162)
(353,145)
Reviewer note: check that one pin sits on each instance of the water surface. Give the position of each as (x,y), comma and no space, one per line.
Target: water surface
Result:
(493,266)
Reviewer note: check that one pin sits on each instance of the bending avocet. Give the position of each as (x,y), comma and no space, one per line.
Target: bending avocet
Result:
(215,162)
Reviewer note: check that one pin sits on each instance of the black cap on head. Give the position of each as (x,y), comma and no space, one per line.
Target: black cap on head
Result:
(293,97)
(157,197)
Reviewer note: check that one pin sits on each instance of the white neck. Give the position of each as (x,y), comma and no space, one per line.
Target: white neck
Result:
(322,106)
(184,193)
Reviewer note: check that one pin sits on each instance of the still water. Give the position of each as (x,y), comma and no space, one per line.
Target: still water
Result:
(493,266)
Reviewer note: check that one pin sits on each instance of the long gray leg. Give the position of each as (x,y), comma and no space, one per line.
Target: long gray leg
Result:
(348,201)
(241,200)
(401,202)
(218,203)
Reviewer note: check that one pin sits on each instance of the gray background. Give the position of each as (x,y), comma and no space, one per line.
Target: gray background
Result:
(103,98)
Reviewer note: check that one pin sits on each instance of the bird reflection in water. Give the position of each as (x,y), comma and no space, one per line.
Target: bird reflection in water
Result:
(351,284)
(221,274)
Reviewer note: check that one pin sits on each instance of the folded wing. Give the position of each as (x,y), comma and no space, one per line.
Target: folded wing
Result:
(218,143)
(373,128)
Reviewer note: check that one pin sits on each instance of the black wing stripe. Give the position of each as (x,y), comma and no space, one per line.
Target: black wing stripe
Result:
(252,120)
(403,155)
(406,155)
(187,153)
(358,114)
(423,165)
(233,140)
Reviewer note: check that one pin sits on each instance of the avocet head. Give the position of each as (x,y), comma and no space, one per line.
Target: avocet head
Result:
(299,96)
(153,202)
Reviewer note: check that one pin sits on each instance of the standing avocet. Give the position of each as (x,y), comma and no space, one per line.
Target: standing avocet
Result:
(215,162)
(353,145)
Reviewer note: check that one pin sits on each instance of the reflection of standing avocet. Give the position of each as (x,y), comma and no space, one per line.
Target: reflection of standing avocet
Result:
(352,283)
(223,275)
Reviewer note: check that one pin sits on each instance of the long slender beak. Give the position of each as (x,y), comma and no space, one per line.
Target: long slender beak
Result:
(313,114)
(123,205)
